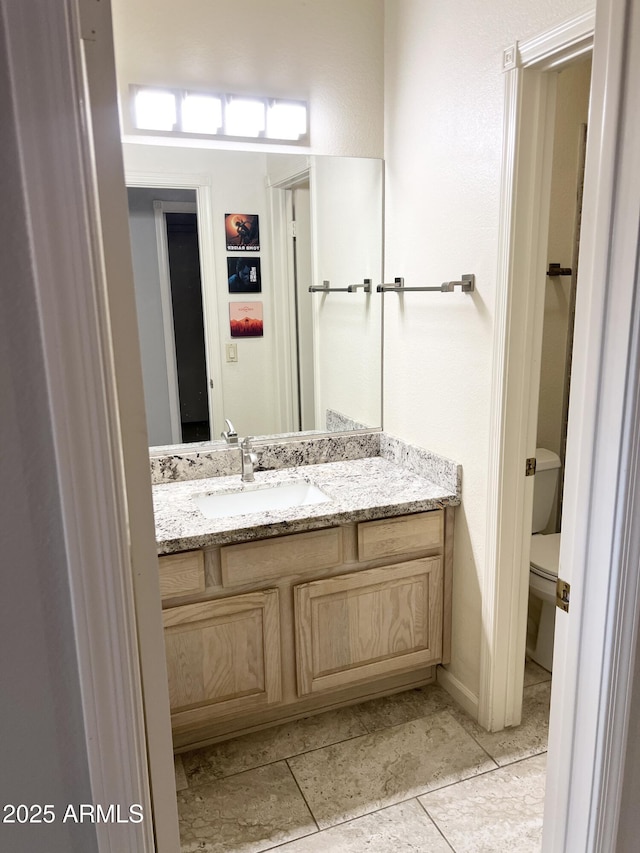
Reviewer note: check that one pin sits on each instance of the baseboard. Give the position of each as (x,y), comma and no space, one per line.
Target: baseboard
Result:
(455,688)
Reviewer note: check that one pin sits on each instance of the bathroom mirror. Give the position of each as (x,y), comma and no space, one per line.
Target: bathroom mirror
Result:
(228,327)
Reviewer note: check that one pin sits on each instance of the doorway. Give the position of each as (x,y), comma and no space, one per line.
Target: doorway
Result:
(183,263)
(290,200)
(558,291)
(174,276)
(166,260)
(531,75)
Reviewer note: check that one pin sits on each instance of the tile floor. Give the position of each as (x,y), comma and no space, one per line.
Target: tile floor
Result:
(405,774)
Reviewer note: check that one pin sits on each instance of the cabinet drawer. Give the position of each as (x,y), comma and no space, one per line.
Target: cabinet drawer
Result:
(181,574)
(391,537)
(268,559)
(223,656)
(368,624)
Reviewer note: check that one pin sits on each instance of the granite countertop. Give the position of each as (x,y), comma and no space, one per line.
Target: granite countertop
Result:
(359,490)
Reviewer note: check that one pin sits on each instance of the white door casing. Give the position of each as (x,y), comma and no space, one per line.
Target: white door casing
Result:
(525,193)
(595,642)
(202,186)
(159,210)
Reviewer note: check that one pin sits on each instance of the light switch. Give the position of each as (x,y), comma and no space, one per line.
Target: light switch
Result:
(232,352)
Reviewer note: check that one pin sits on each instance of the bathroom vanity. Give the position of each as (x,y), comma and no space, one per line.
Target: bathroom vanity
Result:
(276,614)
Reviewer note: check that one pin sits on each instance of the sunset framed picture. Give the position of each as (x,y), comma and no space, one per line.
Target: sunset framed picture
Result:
(245,319)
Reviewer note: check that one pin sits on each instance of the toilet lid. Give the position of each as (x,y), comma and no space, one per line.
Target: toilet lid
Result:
(545,554)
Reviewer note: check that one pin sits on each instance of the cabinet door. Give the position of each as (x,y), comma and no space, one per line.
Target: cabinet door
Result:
(222,656)
(368,624)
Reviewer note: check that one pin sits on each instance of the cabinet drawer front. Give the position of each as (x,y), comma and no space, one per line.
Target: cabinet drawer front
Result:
(181,574)
(391,537)
(222,655)
(368,624)
(269,559)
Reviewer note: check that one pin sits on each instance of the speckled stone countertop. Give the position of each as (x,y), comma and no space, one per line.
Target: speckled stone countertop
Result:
(358,490)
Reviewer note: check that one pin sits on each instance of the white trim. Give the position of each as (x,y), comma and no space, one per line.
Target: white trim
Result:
(167,321)
(279,190)
(318,301)
(559,46)
(527,136)
(202,186)
(462,695)
(213,338)
(280,203)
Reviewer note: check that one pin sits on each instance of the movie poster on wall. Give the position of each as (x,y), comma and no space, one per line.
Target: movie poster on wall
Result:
(245,319)
(244,275)
(242,231)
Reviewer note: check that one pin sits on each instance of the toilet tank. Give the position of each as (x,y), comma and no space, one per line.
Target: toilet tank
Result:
(545,485)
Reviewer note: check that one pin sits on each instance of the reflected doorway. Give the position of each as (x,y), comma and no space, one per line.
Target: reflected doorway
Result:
(167,273)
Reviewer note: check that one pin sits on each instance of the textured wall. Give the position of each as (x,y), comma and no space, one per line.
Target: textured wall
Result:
(444,97)
(325,51)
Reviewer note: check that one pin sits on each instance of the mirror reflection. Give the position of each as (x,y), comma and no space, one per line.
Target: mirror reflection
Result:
(225,245)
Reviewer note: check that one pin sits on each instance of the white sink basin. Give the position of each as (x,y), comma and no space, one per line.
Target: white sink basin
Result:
(253,499)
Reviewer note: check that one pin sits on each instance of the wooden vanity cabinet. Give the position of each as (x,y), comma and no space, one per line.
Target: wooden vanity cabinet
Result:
(223,656)
(274,629)
(367,624)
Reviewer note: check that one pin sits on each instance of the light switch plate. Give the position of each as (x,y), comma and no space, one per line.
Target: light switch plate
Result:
(232,352)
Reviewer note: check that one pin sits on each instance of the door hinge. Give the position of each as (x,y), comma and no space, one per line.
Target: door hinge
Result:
(530,467)
(292,229)
(211,383)
(563,592)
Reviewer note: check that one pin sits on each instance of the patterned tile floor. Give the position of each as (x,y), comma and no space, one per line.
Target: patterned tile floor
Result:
(410,773)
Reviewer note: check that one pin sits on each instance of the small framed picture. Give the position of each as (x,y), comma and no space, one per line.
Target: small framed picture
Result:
(242,231)
(244,275)
(245,319)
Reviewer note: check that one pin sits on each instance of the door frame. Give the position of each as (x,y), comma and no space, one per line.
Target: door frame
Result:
(595,642)
(528,131)
(83,284)
(204,211)
(279,193)
(159,209)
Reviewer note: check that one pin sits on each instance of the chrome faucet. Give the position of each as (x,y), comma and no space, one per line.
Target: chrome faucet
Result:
(249,459)
(230,435)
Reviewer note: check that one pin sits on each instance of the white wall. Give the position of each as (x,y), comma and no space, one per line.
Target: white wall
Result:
(327,52)
(443,140)
(346,200)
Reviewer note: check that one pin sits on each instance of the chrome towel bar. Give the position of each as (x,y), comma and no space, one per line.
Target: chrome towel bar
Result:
(352,288)
(467,285)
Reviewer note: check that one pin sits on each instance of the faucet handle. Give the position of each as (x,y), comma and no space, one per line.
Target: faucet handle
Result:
(230,435)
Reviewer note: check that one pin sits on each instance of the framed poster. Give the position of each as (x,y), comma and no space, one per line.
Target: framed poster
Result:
(245,319)
(242,231)
(244,275)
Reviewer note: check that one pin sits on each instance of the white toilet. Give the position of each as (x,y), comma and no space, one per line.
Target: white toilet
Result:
(545,551)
